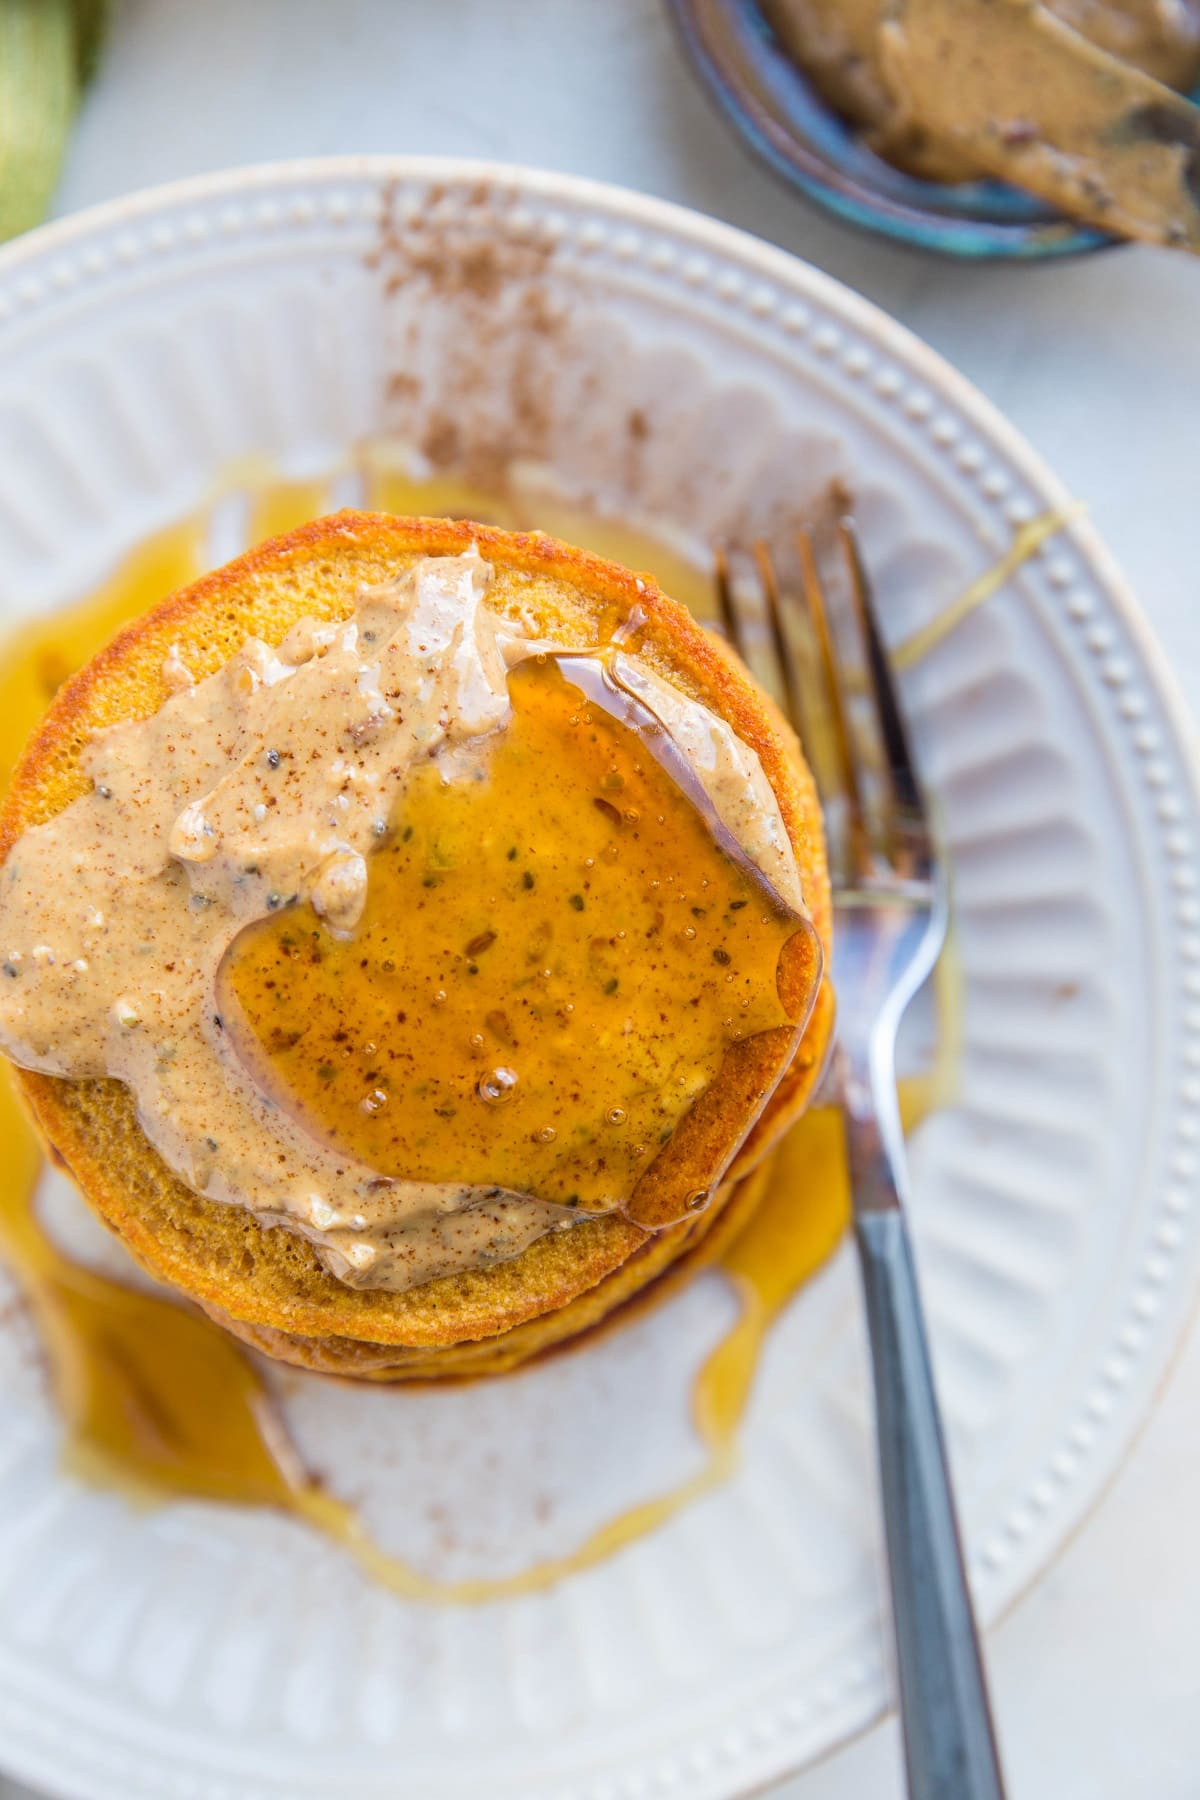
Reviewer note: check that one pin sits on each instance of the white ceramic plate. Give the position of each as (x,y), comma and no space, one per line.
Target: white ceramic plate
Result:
(661,364)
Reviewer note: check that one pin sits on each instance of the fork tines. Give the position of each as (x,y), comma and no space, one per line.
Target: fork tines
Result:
(842,702)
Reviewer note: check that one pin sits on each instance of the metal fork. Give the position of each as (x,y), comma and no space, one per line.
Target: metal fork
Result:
(890,917)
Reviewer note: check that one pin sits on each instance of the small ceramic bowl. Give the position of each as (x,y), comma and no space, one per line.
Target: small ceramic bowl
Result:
(792,128)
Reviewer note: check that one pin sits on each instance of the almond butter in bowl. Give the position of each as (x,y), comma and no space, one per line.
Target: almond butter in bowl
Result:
(410,931)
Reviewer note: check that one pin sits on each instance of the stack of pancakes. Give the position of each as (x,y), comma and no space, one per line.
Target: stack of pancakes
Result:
(265,1283)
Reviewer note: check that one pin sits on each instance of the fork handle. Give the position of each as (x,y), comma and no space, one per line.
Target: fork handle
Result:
(949,1742)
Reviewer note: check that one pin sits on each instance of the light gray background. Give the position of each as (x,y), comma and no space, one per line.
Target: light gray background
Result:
(1096,1673)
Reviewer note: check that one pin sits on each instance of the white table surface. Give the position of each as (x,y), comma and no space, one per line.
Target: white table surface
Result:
(1096,1673)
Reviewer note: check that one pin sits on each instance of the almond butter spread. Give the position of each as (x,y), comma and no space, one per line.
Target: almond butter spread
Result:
(412,935)
(1072,99)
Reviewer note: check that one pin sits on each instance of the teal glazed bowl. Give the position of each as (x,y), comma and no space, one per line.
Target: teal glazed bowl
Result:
(784,119)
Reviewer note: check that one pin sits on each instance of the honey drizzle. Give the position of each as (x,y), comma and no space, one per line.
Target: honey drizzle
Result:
(157,1402)
(586,953)
(1027,541)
